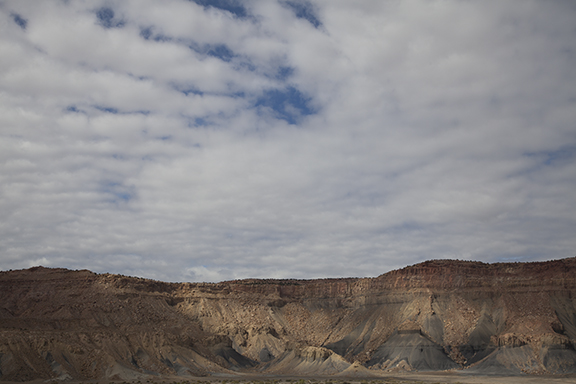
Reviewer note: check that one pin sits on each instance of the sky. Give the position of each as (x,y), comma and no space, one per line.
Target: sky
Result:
(211,140)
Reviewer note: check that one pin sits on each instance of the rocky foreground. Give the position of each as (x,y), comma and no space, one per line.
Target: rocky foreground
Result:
(438,315)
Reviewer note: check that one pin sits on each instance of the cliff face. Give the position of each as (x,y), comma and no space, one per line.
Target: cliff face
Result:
(507,318)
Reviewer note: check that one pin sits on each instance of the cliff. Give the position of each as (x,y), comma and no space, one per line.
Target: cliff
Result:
(437,315)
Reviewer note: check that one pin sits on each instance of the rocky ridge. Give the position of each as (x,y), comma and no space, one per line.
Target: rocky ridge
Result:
(437,315)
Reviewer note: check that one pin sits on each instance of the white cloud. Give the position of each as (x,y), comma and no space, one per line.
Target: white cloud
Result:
(182,142)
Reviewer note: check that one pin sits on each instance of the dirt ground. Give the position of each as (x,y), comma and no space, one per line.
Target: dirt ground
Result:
(404,378)
(454,378)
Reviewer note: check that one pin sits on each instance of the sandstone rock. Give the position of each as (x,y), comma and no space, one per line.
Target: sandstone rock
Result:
(440,314)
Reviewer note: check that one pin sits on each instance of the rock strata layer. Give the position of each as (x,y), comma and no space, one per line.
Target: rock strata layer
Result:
(437,315)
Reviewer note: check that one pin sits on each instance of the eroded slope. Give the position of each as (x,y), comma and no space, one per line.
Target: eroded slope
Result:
(521,317)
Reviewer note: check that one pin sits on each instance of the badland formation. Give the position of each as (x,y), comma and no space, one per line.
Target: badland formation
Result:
(438,315)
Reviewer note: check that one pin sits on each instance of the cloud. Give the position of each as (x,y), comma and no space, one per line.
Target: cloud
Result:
(212,140)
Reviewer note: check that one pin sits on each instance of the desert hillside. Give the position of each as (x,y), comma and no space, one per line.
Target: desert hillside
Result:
(437,315)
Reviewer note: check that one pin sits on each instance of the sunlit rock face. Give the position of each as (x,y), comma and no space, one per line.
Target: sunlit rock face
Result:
(437,315)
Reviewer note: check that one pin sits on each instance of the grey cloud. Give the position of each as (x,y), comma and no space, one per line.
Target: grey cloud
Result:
(348,141)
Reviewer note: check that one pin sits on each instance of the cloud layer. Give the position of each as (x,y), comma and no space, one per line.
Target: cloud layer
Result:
(210,140)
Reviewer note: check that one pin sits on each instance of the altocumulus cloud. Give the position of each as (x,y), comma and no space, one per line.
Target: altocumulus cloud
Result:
(210,140)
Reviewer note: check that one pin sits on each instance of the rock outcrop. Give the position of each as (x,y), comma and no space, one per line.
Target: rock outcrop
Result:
(437,315)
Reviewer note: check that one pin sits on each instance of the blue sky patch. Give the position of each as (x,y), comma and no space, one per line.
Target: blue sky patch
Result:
(117,191)
(187,89)
(284,73)
(289,104)
(22,22)
(192,91)
(106,109)
(200,122)
(146,33)
(556,157)
(112,110)
(245,64)
(221,52)
(304,10)
(196,122)
(232,6)
(106,18)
